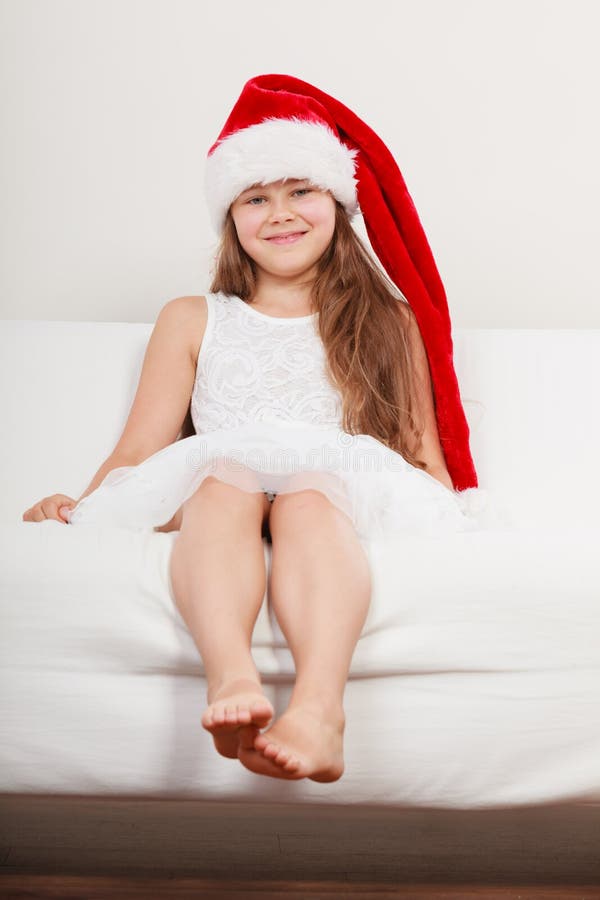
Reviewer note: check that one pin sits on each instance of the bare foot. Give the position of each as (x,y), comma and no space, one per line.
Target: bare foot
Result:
(302,743)
(235,715)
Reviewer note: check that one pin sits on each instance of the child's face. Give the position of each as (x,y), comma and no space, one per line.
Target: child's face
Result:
(262,213)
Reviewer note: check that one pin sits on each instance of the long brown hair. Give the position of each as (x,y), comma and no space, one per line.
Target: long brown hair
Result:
(364,324)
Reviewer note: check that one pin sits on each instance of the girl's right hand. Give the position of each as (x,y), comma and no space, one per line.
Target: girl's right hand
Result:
(58,507)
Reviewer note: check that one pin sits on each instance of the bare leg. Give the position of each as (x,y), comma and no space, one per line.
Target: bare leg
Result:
(218,575)
(320,590)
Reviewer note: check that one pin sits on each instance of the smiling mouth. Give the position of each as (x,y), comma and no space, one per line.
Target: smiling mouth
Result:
(286,238)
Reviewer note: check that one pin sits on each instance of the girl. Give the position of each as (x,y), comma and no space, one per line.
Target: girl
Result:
(325,409)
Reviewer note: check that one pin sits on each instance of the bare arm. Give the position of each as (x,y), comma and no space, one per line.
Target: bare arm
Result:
(164,389)
(161,401)
(166,381)
(431,449)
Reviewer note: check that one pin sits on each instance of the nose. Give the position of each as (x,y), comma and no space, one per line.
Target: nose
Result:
(280,211)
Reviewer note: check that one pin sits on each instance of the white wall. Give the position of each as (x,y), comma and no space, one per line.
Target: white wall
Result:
(109,107)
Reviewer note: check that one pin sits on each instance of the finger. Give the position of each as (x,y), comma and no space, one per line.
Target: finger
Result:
(50,508)
(65,512)
(65,506)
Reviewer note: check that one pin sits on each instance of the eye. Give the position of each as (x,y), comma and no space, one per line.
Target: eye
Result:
(251,200)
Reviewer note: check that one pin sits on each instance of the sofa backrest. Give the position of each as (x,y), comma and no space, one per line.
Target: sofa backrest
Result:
(529,397)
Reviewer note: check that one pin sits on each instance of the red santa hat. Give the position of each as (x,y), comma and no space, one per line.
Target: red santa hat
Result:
(282,127)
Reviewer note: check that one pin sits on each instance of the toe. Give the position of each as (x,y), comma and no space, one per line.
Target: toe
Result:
(208,717)
(257,763)
(281,757)
(243,715)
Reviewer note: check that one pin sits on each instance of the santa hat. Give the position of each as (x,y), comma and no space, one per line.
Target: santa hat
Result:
(282,127)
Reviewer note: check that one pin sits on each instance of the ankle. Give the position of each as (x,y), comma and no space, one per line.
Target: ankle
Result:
(329,709)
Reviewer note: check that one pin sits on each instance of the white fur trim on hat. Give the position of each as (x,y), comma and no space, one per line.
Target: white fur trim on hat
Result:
(275,149)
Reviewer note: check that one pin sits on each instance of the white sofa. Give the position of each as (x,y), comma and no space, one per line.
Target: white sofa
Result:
(475,683)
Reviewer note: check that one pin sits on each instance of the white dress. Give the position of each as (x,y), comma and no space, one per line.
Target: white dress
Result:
(268,419)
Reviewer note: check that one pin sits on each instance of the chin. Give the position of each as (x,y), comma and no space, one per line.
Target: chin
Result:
(293,269)
(287,264)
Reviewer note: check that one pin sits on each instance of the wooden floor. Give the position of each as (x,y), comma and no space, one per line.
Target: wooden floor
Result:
(131,848)
(28,886)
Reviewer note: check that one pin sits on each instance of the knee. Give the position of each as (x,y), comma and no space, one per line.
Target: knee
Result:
(300,504)
(212,485)
(308,519)
(219,495)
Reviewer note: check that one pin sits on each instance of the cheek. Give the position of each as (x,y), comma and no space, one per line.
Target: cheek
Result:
(326,224)
(246,226)
(322,215)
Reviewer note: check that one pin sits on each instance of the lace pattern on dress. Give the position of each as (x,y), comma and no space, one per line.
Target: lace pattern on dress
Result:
(257,368)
